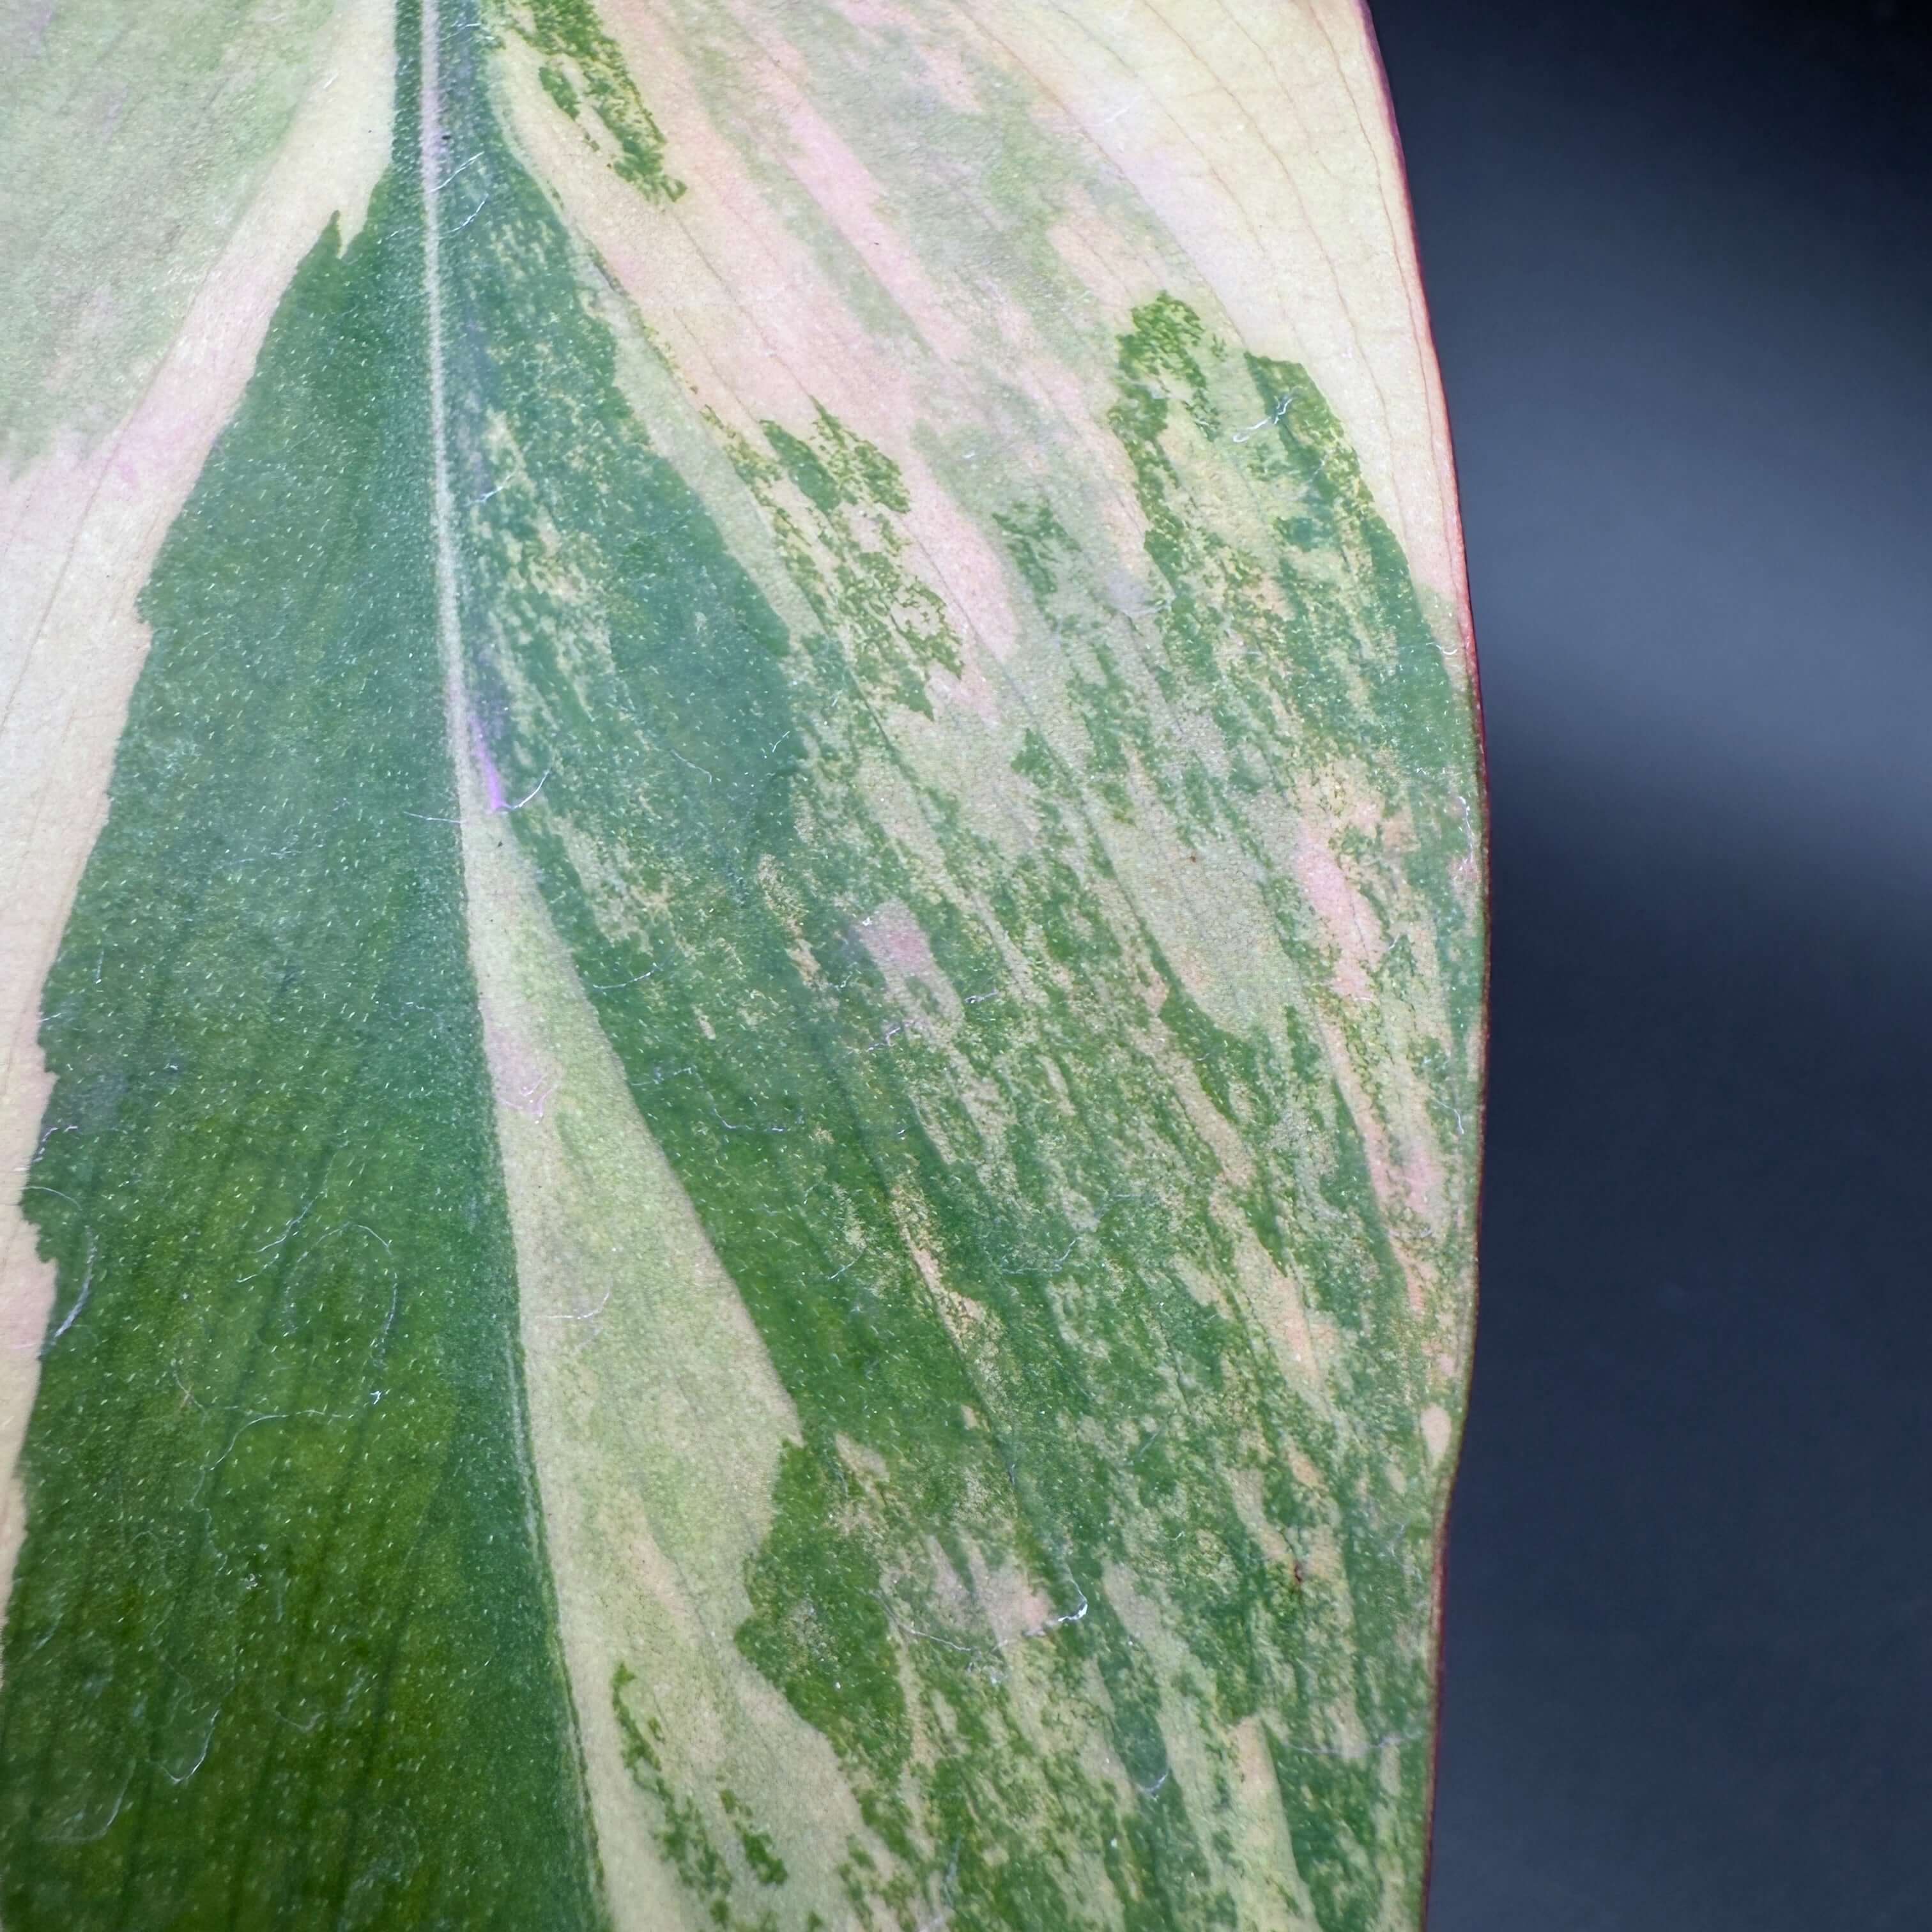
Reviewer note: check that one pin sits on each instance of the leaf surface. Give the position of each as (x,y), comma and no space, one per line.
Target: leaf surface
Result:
(744,791)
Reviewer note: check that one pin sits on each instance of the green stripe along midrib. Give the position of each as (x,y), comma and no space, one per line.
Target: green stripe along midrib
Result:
(281,1646)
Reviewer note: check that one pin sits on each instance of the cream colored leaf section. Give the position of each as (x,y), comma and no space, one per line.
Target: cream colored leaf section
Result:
(1260,135)
(656,1417)
(1242,148)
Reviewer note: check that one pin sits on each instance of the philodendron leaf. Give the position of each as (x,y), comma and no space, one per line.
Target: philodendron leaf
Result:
(745,968)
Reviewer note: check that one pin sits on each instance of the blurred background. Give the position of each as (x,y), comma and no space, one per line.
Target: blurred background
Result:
(1679,255)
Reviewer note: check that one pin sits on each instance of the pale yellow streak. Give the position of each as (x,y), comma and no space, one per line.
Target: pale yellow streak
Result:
(80,529)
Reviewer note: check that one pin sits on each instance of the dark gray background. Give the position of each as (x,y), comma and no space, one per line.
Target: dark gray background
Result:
(1679,257)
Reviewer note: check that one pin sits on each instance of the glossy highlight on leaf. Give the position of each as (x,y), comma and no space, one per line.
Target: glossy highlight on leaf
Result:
(760,1174)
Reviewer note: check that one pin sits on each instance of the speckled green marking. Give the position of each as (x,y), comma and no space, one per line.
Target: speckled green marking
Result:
(280,1649)
(684,1836)
(1002,1195)
(582,69)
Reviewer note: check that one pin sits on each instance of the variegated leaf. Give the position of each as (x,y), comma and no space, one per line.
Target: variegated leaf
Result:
(745,958)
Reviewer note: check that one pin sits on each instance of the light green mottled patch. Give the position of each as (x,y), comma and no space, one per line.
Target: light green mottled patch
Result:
(583,70)
(843,551)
